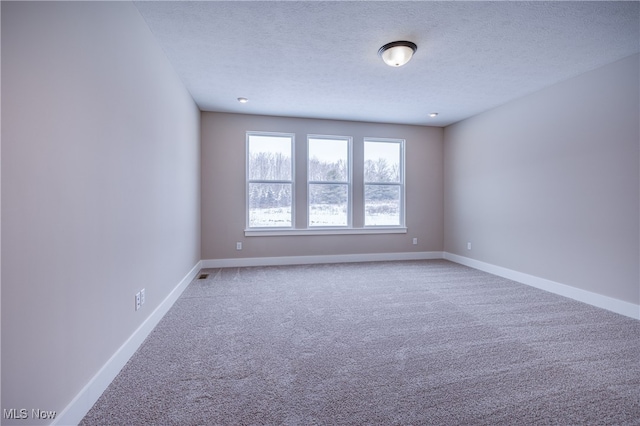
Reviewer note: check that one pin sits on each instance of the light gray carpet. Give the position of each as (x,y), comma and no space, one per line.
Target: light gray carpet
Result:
(423,342)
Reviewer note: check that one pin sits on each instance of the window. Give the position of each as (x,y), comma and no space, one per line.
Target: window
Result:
(269,180)
(329,180)
(383,182)
(324,202)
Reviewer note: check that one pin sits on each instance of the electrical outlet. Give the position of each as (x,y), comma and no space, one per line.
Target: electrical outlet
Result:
(238,245)
(415,241)
(142,297)
(468,246)
(137,301)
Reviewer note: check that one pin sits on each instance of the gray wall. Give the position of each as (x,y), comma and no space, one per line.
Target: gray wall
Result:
(100,191)
(223,188)
(548,185)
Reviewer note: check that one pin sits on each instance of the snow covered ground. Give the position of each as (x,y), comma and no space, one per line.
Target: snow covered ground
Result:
(377,214)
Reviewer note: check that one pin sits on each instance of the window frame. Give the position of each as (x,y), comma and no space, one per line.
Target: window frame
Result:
(401,184)
(356,182)
(349,183)
(249,181)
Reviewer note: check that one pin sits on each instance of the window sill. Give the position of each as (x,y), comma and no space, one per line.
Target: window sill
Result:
(324,231)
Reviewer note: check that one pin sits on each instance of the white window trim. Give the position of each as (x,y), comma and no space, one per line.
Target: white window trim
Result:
(401,184)
(349,184)
(292,137)
(326,230)
(264,232)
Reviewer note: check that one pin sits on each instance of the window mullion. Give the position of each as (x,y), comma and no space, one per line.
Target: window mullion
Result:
(270,181)
(328,182)
(383,183)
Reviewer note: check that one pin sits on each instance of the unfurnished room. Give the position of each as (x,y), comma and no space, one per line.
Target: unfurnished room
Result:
(320,212)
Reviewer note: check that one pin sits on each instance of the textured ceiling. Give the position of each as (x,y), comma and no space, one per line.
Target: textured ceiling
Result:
(319,59)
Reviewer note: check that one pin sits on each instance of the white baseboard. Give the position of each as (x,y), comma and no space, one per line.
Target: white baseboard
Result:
(84,400)
(594,299)
(305,260)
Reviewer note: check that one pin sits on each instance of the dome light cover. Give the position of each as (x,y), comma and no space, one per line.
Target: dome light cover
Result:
(397,53)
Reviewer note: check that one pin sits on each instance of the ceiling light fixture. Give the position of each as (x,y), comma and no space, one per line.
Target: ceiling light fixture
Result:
(397,53)
(243,100)
(433,115)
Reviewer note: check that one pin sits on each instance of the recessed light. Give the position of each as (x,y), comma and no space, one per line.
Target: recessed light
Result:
(243,100)
(433,114)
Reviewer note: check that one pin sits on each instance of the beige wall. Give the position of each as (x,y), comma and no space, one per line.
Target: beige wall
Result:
(548,185)
(223,188)
(100,191)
